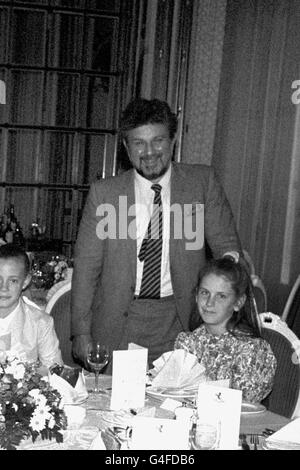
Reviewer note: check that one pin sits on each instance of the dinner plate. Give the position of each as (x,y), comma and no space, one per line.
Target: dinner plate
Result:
(252,408)
(265,445)
(169,393)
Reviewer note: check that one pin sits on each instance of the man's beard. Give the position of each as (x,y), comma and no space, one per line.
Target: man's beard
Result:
(155,174)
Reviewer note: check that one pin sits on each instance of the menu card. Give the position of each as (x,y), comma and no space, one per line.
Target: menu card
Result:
(221,405)
(129,379)
(157,433)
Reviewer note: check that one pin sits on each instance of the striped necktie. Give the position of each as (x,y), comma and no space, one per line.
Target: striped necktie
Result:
(151,250)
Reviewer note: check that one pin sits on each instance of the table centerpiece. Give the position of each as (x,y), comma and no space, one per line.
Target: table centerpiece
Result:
(29,406)
(47,273)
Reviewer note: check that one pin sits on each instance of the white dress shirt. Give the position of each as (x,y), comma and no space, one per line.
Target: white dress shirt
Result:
(5,329)
(144,197)
(29,333)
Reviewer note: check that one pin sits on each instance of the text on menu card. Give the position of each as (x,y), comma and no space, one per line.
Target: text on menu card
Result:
(129,379)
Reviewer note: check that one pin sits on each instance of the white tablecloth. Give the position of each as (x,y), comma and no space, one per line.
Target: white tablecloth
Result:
(99,417)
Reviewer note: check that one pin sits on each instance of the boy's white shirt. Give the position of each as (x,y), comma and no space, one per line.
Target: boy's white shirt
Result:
(5,322)
(32,334)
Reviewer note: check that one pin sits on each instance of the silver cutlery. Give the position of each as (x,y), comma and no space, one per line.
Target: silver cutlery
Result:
(267,432)
(244,443)
(254,440)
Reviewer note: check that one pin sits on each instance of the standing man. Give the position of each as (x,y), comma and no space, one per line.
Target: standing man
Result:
(140,244)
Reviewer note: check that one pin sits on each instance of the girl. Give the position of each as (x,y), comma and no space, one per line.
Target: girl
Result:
(228,342)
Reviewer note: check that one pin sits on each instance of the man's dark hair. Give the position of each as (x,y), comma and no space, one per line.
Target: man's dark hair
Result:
(14,251)
(140,112)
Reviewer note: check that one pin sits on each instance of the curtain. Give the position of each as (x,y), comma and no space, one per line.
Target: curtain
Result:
(205,60)
(256,151)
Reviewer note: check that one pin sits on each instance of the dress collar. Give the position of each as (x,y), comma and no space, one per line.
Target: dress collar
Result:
(226,333)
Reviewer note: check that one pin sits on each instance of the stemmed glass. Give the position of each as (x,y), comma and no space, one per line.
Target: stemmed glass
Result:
(206,435)
(98,355)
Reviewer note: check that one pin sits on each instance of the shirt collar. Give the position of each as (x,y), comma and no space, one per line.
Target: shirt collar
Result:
(145,185)
(6,320)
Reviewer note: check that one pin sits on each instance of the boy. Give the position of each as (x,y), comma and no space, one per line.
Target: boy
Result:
(25,330)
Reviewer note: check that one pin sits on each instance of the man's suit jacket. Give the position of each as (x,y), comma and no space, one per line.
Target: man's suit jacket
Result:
(104,276)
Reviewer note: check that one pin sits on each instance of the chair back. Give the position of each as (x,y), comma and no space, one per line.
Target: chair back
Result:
(291,311)
(284,398)
(59,306)
(259,290)
(260,293)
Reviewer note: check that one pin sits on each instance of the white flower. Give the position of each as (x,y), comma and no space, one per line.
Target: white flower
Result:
(15,406)
(51,422)
(37,422)
(41,400)
(38,397)
(39,417)
(17,369)
(43,410)
(34,393)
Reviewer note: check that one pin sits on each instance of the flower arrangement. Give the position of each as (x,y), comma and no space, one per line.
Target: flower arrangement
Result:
(29,406)
(59,266)
(50,272)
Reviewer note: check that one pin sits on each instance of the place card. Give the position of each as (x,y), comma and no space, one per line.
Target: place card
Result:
(221,405)
(157,433)
(135,346)
(218,383)
(170,404)
(129,379)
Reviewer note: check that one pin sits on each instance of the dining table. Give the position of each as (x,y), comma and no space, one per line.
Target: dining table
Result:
(96,429)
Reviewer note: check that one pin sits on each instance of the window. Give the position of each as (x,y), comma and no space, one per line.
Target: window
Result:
(69,67)
(63,64)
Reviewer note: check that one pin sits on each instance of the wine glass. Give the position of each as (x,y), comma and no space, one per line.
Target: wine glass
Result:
(97,357)
(206,435)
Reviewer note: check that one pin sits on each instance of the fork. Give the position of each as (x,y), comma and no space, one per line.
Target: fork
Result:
(254,439)
(244,443)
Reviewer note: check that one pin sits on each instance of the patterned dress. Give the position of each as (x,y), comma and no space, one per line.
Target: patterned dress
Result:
(247,362)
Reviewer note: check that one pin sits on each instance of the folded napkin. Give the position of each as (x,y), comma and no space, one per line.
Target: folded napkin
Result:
(98,443)
(287,437)
(177,369)
(75,415)
(70,394)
